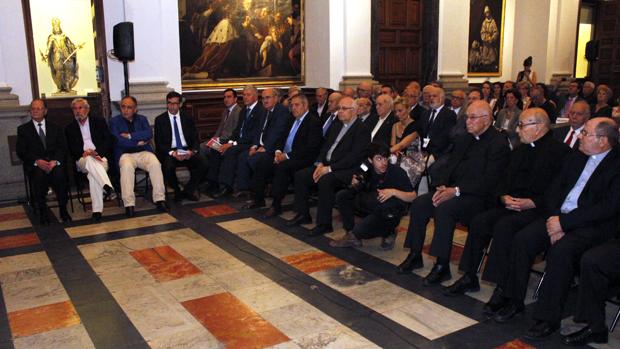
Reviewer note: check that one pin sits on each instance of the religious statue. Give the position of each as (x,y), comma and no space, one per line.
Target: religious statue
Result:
(489,35)
(61,56)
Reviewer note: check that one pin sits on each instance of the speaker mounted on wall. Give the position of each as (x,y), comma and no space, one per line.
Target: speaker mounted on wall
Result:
(123,41)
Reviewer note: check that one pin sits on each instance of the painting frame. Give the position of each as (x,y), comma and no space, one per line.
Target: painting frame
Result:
(485,54)
(269,62)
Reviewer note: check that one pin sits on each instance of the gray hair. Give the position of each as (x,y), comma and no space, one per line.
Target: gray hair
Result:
(80,100)
(251,88)
(609,129)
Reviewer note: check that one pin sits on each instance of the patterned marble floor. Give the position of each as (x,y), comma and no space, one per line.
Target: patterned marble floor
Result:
(207,275)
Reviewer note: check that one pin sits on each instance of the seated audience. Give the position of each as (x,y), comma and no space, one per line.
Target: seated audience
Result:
(389,90)
(497,100)
(460,128)
(412,94)
(519,200)
(581,206)
(463,188)
(540,99)
(508,85)
(487,92)
(332,116)
(41,146)
(411,158)
(458,103)
(381,190)
(603,101)
(133,150)
(577,117)
(364,112)
(90,147)
(320,107)
(339,158)
(349,92)
(587,92)
(380,124)
(570,98)
(524,89)
(508,117)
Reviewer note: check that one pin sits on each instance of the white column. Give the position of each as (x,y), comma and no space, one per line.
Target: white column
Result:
(562,39)
(532,20)
(452,43)
(317,43)
(356,18)
(14,67)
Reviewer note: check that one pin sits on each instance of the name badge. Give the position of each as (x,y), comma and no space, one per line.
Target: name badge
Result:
(425,142)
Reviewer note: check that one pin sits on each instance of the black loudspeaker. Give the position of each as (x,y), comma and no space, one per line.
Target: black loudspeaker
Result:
(123,41)
(592,50)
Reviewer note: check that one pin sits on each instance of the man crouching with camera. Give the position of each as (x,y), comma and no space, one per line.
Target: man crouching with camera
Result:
(380,190)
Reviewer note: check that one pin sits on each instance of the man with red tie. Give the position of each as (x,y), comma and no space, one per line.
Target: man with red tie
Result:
(577,116)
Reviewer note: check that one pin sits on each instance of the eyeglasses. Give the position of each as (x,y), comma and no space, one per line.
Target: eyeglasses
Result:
(585,133)
(343,108)
(474,116)
(522,125)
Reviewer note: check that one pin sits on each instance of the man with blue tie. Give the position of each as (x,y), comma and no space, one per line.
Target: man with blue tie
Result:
(176,142)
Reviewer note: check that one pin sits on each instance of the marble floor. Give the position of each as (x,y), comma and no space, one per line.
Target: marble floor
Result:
(209,275)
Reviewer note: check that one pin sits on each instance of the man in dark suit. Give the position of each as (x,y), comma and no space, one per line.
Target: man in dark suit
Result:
(273,127)
(380,124)
(582,211)
(300,148)
(571,97)
(435,125)
(90,147)
(577,117)
(364,111)
(463,188)
(339,158)
(176,143)
(540,99)
(320,108)
(243,137)
(519,200)
(412,93)
(332,115)
(41,147)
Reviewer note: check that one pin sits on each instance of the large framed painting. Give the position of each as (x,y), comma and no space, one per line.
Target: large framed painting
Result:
(231,43)
(61,47)
(486,33)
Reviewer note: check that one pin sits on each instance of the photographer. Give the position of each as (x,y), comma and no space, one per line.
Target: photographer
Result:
(380,189)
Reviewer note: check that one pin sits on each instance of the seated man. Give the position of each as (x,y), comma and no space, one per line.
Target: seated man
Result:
(301,147)
(133,150)
(90,146)
(461,190)
(176,142)
(519,201)
(382,190)
(582,211)
(41,147)
(577,116)
(600,269)
(224,162)
(339,158)
(271,135)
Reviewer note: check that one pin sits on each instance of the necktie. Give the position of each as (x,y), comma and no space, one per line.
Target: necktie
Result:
(291,136)
(432,119)
(569,140)
(177,134)
(221,126)
(245,121)
(327,124)
(264,127)
(42,135)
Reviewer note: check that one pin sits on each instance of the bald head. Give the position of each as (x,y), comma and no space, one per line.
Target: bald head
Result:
(364,89)
(479,117)
(332,101)
(533,124)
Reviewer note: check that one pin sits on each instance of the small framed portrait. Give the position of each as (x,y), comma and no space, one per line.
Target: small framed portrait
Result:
(232,43)
(486,30)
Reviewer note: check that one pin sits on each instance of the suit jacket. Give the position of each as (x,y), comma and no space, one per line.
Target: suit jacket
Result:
(416,112)
(439,131)
(475,166)
(142,132)
(560,134)
(163,134)
(307,142)
(250,127)
(324,112)
(384,134)
(349,152)
(227,125)
(331,127)
(599,202)
(30,148)
(275,131)
(99,134)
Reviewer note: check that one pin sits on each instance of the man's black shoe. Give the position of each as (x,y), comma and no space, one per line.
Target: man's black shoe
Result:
(438,274)
(253,205)
(96,217)
(161,206)
(467,283)
(225,191)
(129,211)
(320,230)
(413,261)
(508,312)
(497,302)
(107,190)
(541,330)
(585,336)
(299,220)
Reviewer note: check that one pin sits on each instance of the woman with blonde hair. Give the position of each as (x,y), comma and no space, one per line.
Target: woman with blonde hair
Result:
(405,144)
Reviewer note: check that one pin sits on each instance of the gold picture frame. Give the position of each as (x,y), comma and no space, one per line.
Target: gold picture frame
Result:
(232,43)
(486,37)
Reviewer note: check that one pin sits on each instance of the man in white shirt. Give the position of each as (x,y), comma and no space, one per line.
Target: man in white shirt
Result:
(577,117)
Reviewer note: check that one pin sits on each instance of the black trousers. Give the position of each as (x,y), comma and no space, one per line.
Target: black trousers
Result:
(499,224)
(600,268)
(458,209)
(327,186)
(57,179)
(197,166)
(562,264)
(281,174)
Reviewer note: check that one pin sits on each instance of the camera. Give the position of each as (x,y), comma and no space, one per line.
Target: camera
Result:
(362,175)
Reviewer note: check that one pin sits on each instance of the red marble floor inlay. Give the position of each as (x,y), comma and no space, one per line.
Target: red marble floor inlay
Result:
(515,344)
(164,263)
(234,323)
(20,240)
(215,210)
(312,261)
(45,318)
(12,216)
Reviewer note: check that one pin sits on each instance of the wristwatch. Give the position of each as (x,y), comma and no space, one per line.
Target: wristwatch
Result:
(458,191)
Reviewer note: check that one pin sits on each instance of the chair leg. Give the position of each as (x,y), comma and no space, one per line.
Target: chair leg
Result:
(615,322)
(485,254)
(535,295)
